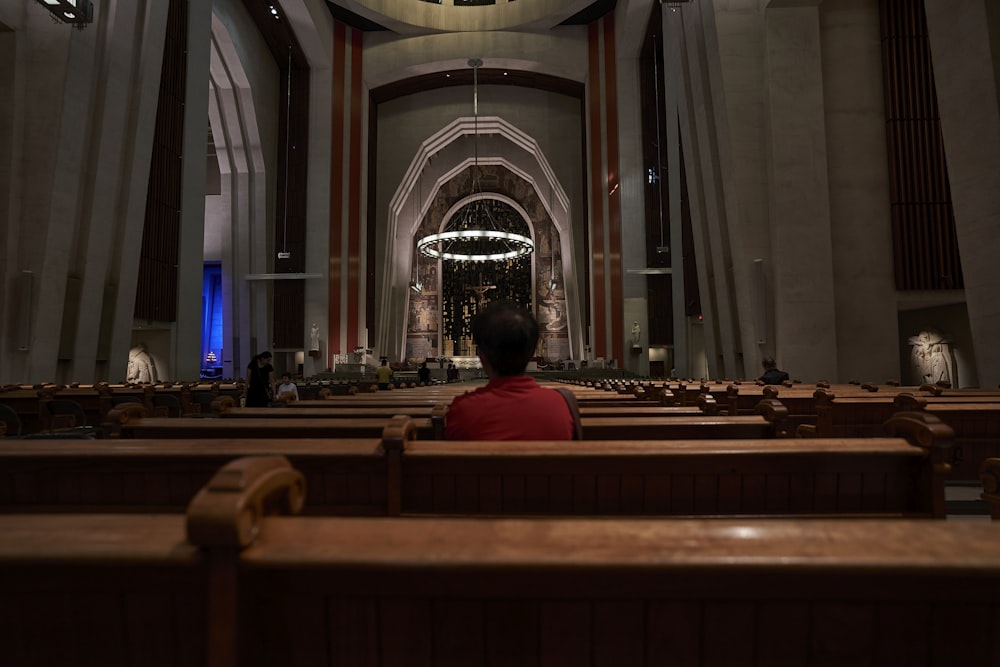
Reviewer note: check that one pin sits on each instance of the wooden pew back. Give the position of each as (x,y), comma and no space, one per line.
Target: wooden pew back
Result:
(233,583)
(401,474)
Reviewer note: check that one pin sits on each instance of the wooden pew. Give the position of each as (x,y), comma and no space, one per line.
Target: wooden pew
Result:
(975,418)
(644,410)
(399,474)
(347,476)
(656,427)
(130,421)
(768,423)
(989,475)
(976,425)
(233,583)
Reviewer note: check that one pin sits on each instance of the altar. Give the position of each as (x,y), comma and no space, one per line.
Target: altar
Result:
(466,362)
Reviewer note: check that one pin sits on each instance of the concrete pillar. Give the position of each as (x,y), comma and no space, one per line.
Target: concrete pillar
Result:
(801,237)
(964,46)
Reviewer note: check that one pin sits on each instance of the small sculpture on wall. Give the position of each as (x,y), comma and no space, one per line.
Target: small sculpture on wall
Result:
(141,368)
(636,333)
(930,357)
(314,338)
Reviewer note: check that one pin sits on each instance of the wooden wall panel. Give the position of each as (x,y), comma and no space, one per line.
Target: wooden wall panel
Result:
(923,222)
(156,289)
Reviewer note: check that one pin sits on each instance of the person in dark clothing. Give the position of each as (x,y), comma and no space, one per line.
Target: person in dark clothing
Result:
(771,373)
(424,373)
(260,381)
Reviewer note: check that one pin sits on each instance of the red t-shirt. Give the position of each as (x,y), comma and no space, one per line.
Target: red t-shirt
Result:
(509,408)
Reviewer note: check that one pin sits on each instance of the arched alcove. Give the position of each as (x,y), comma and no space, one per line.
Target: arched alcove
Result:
(439,163)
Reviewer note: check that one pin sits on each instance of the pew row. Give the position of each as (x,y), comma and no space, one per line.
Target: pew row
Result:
(639,410)
(130,421)
(399,474)
(237,582)
(989,476)
(975,418)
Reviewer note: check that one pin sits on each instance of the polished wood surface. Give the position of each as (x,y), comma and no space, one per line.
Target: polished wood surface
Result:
(262,427)
(717,544)
(400,473)
(452,591)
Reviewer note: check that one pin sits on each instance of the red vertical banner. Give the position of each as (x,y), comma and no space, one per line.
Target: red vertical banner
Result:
(599,315)
(354,197)
(613,190)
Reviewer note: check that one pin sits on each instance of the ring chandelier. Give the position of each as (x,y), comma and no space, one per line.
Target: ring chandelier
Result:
(482,231)
(474,234)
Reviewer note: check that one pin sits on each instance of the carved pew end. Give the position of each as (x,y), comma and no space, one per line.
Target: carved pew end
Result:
(989,474)
(228,510)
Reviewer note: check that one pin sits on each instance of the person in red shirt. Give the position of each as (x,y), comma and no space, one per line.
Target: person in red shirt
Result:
(512,406)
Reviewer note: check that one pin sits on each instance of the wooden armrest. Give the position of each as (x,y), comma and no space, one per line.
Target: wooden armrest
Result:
(909,402)
(222,404)
(823,396)
(922,429)
(805,431)
(125,413)
(989,475)
(398,432)
(707,404)
(774,411)
(439,414)
(667,397)
(228,510)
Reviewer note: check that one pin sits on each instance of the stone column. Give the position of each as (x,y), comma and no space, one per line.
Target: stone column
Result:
(802,254)
(964,46)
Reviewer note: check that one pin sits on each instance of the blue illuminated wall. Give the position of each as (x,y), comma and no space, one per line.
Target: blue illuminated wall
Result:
(211,318)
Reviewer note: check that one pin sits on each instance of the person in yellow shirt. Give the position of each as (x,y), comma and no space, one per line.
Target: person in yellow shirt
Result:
(383,374)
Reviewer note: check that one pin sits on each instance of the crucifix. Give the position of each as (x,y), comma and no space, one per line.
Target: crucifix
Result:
(480,291)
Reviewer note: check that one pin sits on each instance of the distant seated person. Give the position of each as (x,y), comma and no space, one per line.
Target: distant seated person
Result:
(287,390)
(424,374)
(383,374)
(512,406)
(771,373)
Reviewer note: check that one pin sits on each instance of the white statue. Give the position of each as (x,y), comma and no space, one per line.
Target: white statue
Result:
(931,357)
(314,338)
(636,332)
(141,368)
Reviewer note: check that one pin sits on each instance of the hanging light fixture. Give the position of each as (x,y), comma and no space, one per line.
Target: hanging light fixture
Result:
(480,231)
(76,12)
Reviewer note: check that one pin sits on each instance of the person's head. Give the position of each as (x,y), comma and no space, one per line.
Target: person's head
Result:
(506,336)
(286,378)
(262,358)
(769,363)
(385,362)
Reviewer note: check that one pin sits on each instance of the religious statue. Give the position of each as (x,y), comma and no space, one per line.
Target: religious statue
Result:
(480,291)
(314,337)
(931,357)
(141,369)
(636,331)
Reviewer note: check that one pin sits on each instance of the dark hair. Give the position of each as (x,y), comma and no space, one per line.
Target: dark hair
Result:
(263,356)
(769,363)
(506,335)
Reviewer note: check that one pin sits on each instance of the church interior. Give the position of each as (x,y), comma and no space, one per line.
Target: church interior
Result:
(698,185)
(683,193)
